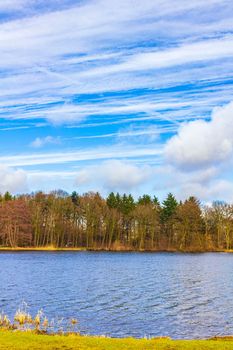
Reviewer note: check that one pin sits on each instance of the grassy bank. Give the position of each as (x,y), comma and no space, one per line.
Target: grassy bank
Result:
(27,340)
(79,249)
(49,248)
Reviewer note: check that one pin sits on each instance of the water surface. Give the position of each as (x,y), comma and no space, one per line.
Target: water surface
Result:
(124,294)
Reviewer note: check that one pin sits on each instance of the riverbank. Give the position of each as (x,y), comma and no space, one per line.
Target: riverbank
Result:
(46,249)
(26,340)
(81,249)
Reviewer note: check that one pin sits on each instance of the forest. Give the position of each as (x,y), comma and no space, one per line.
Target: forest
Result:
(118,222)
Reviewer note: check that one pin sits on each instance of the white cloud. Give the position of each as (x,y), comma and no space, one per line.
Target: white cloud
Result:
(217,189)
(115,175)
(200,144)
(199,157)
(84,176)
(12,180)
(207,184)
(42,141)
(120,175)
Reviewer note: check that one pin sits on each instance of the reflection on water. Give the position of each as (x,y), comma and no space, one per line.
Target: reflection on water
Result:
(124,294)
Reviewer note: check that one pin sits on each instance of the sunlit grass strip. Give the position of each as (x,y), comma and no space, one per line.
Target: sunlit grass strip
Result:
(13,340)
(46,248)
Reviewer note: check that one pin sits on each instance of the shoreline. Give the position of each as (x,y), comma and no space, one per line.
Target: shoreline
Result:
(13,340)
(80,249)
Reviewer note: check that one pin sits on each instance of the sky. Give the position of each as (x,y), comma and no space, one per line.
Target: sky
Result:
(117,95)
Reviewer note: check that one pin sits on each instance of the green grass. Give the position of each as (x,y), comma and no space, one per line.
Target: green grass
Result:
(27,340)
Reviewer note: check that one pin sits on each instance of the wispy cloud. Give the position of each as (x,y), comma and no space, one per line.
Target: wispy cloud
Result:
(42,141)
(79,155)
(185,54)
(68,49)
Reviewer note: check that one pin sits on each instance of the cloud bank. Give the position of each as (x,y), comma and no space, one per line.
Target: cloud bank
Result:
(114,175)
(12,180)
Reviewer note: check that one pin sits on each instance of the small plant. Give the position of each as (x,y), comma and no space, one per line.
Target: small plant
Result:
(73,323)
(38,319)
(21,317)
(45,323)
(4,321)
(23,321)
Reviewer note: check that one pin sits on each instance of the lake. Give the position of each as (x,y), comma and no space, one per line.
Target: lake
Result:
(124,294)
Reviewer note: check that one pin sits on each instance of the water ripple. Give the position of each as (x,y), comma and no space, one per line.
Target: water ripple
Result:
(124,294)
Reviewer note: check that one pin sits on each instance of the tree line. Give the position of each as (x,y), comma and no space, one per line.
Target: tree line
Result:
(118,222)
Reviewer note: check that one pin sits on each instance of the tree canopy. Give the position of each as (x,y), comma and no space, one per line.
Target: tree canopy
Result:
(90,221)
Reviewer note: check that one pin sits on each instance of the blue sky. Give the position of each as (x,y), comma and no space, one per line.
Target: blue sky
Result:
(130,96)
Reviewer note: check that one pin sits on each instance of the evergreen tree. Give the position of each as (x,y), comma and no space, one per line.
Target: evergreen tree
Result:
(145,200)
(8,196)
(169,207)
(112,201)
(156,202)
(75,198)
(127,204)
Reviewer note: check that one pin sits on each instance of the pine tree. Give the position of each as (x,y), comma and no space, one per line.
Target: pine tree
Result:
(127,204)
(75,198)
(145,200)
(169,207)
(112,200)
(8,196)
